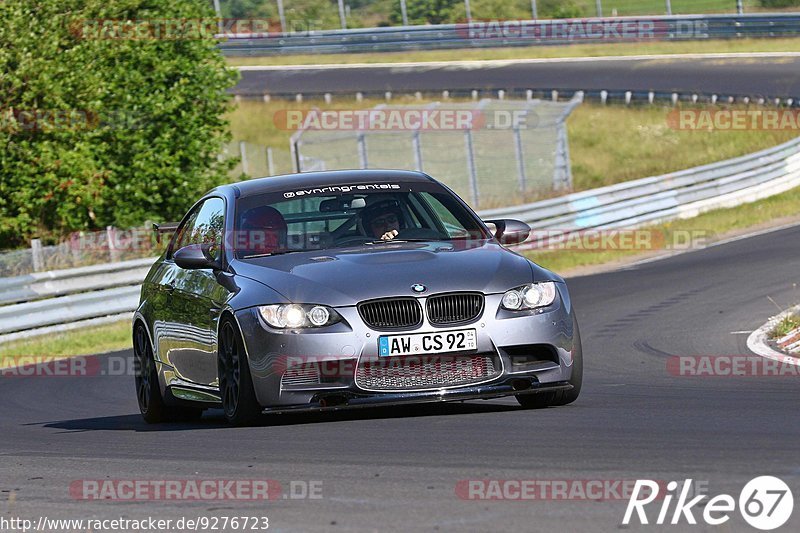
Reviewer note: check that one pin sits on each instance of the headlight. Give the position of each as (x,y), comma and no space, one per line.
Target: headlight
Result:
(530,296)
(292,316)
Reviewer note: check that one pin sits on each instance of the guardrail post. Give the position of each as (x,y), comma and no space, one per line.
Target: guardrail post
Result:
(404,12)
(669,7)
(739,7)
(534,11)
(473,171)
(469,11)
(520,159)
(270,162)
(37,255)
(599,8)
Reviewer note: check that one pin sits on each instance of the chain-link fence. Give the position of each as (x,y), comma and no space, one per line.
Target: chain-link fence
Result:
(256,161)
(83,248)
(492,153)
(303,15)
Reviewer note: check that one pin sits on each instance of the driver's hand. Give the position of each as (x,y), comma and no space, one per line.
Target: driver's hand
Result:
(389,235)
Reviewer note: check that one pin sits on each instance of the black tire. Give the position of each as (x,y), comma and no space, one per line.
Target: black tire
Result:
(148,390)
(235,383)
(562,397)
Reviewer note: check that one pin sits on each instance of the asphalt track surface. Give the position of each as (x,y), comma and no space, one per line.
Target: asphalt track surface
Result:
(754,77)
(397,469)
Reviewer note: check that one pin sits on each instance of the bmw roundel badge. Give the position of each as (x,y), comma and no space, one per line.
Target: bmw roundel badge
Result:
(418,287)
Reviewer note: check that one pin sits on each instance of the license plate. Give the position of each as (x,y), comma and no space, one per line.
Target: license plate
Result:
(459,340)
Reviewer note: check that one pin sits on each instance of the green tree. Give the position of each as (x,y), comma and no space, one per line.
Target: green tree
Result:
(114,130)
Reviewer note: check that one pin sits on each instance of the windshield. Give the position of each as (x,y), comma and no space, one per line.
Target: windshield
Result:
(345,216)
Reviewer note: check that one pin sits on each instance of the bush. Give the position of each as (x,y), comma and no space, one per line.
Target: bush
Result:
(109,131)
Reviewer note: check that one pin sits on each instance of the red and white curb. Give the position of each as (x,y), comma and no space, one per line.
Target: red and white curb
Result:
(758,343)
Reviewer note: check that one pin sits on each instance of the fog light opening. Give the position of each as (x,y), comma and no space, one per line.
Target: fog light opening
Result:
(332,401)
(521,384)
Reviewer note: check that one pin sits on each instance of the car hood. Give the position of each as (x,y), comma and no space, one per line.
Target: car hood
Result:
(346,276)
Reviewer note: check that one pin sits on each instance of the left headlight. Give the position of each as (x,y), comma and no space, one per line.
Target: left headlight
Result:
(291,316)
(530,296)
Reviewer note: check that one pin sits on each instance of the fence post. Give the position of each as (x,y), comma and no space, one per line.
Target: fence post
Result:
(562,173)
(218,10)
(282,17)
(111,238)
(243,155)
(473,172)
(739,7)
(669,7)
(468,10)
(416,145)
(362,150)
(37,255)
(404,12)
(270,162)
(342,18)
(520,159)
(599,8)
(534,11)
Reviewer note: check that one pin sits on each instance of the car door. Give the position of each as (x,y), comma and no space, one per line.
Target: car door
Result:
(195,299)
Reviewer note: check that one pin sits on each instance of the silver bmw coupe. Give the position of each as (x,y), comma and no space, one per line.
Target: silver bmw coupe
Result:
(345,289)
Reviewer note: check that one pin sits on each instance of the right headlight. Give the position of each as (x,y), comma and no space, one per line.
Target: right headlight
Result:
(530,296)
(292,316)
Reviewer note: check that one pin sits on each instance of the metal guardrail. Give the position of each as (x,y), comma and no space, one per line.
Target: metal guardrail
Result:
(51,301)
(660,198)
(517,33)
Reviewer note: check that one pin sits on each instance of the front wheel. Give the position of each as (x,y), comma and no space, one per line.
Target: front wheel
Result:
(148,391)
(235,383)
(562,397)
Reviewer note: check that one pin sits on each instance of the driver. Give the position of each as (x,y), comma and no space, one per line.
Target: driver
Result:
(382,220)
(263,230)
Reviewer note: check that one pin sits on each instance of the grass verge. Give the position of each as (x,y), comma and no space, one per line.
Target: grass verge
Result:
(707,228)
(87,341)
(787,324)
(532,52)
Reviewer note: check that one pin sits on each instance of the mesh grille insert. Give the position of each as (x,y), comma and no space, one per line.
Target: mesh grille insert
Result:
(415,372)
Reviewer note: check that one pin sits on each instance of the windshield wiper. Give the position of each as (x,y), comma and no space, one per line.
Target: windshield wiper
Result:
(381,241)
(278,252)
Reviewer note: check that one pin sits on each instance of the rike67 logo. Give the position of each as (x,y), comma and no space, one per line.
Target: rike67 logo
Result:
(766,503)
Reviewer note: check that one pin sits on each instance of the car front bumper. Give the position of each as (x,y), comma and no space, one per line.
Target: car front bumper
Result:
(533,351)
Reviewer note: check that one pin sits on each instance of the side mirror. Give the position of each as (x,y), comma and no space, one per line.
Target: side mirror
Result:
(510,231)
(197,256)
